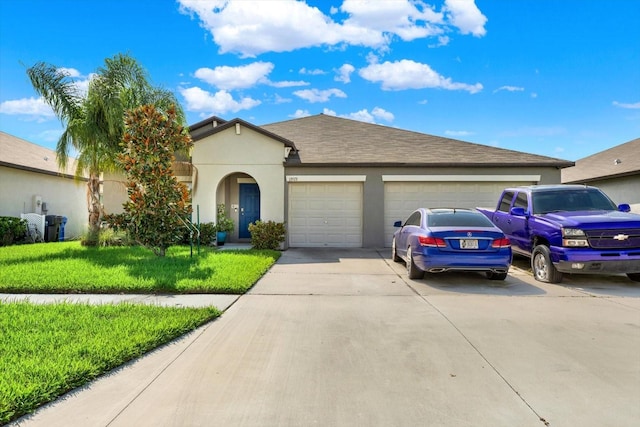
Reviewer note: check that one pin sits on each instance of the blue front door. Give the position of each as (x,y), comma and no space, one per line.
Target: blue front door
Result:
(249,208)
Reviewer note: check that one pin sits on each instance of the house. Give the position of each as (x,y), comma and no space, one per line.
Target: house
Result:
(30,182)
(615,171)
(337,182)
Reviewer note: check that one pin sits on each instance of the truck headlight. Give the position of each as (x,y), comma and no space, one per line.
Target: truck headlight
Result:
(574,238)
(572,232)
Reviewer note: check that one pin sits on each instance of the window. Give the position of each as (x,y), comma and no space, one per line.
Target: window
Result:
(521,202)
(414,219)
(505,202)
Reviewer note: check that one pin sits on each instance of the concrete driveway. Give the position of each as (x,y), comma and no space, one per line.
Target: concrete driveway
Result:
(343,338)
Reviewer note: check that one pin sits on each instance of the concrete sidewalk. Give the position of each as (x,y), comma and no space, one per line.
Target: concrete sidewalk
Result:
(343,338)
(221,302)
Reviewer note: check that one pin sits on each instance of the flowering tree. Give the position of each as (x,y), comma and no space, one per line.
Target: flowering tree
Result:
(158,204)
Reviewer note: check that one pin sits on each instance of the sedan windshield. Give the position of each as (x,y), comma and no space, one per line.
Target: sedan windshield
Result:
(575,200)
(458,219)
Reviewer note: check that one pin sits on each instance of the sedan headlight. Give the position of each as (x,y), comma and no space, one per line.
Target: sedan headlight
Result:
(574,238)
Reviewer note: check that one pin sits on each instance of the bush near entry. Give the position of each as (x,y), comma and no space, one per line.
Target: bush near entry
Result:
(267,235)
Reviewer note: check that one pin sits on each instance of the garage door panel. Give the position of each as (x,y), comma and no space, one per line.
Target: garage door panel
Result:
(325,214)
(402,198)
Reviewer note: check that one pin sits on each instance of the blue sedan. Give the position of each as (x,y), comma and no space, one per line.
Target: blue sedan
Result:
(439,240)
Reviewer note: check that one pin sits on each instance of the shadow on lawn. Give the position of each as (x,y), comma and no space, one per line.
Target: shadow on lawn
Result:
(164,273)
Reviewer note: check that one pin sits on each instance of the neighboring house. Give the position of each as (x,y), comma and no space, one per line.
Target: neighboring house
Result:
(30,182)
(616,171)
(342,183)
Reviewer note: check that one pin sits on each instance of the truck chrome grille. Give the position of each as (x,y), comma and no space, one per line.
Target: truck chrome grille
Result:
(614,239)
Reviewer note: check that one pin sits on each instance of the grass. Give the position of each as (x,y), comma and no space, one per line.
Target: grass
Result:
(48,350)
(71,268)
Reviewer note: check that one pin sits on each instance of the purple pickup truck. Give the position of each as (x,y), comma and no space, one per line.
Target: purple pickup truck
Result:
(569,229)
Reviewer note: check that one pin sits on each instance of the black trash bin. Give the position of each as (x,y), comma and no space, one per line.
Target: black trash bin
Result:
(52,228)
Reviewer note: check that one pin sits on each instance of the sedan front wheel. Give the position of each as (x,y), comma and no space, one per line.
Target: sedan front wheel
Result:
(394,252)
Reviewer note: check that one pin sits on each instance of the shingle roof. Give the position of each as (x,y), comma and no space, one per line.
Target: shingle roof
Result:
(330,140)
(621,160)
(21,154)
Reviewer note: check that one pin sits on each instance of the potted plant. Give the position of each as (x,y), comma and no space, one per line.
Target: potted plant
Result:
(224,225)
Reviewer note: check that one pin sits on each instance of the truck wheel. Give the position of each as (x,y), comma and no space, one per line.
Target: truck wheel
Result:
(413,271)
(634,276)
(543,268)
(394,252)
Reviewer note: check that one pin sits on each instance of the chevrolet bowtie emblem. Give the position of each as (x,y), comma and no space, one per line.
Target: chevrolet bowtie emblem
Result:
(621,237)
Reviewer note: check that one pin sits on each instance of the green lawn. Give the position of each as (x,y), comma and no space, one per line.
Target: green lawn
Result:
(71,268)
(48,350)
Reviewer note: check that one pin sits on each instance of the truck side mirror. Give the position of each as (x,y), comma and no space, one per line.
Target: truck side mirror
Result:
(397,224)
(518,212)
(624,207)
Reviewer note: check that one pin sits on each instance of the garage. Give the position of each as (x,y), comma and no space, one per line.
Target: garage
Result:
(402,195)
(325,214)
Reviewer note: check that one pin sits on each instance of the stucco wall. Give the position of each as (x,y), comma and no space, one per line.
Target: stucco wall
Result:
(226,154)
(621,190)
(63,196)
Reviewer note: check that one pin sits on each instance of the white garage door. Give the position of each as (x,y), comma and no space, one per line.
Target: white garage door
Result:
(402,198)
(325,214)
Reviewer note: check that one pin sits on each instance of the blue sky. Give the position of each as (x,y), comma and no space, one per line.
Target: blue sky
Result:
(556,78)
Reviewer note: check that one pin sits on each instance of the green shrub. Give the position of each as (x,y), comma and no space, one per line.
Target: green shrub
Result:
(12,230)
(207,233)
(267,235)
(111,237)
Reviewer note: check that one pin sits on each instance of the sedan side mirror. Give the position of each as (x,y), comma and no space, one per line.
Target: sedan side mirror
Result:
(625,207)
(397,224)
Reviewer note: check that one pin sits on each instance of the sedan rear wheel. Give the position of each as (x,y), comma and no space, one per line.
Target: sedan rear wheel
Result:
(394,252)
(413,271)
(491,275)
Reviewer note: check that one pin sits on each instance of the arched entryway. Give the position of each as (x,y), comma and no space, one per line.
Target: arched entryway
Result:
(240,193)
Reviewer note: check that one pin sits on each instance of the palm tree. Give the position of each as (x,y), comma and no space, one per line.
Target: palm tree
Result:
(94,121)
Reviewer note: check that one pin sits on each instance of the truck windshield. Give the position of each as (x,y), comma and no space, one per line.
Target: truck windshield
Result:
(571,200)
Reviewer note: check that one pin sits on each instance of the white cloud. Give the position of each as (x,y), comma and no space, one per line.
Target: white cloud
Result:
(509,89)
(458,133)
(382,114)
(361,116)
(34,107)
(370,117)
(71,72)
(315,72)
(299,114)
(229,78)
(329,112)
(624,105)
(221,102)
(408,74)
(288,83)
(465,15)
(442,41)
(52,135)
(280,100)
(250,28)
(316,95)
(407,19)
(344,73)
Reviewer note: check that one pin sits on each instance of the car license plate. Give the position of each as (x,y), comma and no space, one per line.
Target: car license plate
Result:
(468,244)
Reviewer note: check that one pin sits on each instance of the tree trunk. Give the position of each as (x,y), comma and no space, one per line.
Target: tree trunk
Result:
(93,203)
